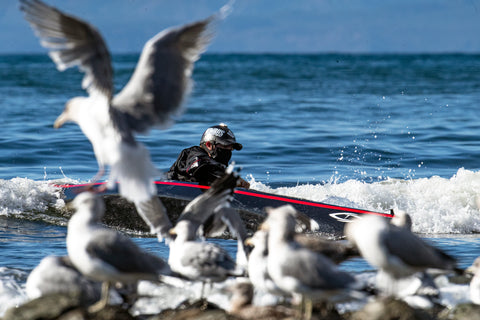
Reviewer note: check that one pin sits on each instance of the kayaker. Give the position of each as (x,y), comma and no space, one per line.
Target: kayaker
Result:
(207,162)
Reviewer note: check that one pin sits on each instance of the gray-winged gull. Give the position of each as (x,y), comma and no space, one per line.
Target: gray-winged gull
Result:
(257,260)
(154,94)
(296,269)
(198,260)
(394,250)
(57,275)
(104,254)
(335,250)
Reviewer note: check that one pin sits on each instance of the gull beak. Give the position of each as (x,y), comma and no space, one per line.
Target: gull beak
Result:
(264,227)
(62,118)
(248,242)
(173,234)
(470,270)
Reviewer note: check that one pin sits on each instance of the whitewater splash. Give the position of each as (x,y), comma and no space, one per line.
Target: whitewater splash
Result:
(29,199)
(437,205)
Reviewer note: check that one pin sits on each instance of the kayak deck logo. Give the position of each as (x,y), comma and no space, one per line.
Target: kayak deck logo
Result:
(344,216)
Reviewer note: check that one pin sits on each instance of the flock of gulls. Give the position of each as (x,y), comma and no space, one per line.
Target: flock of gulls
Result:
(277,259)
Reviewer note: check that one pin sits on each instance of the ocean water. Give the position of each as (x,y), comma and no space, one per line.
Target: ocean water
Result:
(370,131)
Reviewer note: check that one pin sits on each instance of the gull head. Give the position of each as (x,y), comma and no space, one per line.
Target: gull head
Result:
(259,239)
(366,230)
(70,113)
(90,203)
(184,230)
(474,268)
(402,219)
(281,221)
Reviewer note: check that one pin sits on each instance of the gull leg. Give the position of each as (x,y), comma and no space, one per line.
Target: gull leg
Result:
(202,290)
(102,303)
(308,308)
(91,185)
(299,309)
(98,176)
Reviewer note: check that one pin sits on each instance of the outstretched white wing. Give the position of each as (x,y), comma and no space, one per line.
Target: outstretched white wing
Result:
(162,77)
(72,42)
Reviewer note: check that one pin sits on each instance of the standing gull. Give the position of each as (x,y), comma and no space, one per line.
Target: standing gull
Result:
(394,250)
(199,260)
(106,255)
(152,97)
(296,269)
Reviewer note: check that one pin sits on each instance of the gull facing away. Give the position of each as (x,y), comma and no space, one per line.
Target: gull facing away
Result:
(296,269)
(106,255)
(394,250)
(153,96)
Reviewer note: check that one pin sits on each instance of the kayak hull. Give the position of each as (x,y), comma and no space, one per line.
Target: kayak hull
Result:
(330,218)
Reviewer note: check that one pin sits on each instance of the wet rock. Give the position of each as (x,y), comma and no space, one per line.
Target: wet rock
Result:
(460,279)
(325,310)
(46,307)
(194,314)
(389,308)
(107,313)
(466,311)
(63,307)
(199,310)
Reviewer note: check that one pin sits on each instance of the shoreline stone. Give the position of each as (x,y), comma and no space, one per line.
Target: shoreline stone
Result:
(64,307)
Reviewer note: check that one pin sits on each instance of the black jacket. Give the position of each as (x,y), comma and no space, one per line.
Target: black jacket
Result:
(195,165)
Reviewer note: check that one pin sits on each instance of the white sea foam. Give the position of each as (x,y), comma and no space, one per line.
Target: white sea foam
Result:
(12,291)
(437,205)
(23,197)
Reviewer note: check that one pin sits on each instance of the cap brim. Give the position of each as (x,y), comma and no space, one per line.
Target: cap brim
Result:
(237,146)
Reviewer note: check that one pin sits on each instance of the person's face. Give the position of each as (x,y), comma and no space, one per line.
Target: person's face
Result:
(223,153)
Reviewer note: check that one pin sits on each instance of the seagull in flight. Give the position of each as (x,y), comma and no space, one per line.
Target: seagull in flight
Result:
(152,97)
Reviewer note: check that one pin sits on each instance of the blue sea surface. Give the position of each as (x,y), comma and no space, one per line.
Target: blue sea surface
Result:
(370,131)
